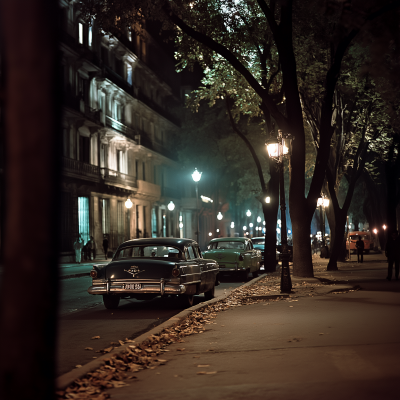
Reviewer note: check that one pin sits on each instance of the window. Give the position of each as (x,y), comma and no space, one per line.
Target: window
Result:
(83,218)
(80,25)
(104,55)
(154,223)
(144,170)
(191,253)
(120,222)
(117,110)
(90,36)
(84,149)
(129,74)
(105,216)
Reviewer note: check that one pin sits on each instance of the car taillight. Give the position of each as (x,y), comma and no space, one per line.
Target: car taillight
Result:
(93,273)
(241,258)
(176,272)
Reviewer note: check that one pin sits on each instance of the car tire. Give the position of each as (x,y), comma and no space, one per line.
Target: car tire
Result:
(110,302)
(210,294)
(244,275)
(187,300)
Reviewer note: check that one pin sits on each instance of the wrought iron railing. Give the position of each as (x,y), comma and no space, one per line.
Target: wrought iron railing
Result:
(80,168)
(115,177)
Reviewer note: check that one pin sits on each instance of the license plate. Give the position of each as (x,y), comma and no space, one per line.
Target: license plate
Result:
(133,286)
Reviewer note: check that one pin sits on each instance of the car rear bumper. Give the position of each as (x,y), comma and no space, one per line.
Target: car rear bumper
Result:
(158,288)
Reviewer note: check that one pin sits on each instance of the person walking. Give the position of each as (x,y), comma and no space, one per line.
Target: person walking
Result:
(93,247)
(105,245)
(360,249)
(78,244)
(392,252)
(315,245)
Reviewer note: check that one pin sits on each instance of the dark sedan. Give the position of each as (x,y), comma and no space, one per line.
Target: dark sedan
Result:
(147,268)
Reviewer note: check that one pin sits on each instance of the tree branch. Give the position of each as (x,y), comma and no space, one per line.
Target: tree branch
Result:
(249,146)
(232,59)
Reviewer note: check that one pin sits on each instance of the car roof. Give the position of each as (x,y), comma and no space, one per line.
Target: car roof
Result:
(180,243)
(229,239)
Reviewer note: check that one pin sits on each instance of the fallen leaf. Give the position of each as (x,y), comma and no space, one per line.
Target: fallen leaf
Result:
(88,348)
(203,366)
(182,349)
(78,366)
(95,337)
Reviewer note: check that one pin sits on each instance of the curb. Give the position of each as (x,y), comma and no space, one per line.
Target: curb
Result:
(68,378)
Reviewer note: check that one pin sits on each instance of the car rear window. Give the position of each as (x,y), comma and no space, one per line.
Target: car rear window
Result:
(227,245)
(148,251)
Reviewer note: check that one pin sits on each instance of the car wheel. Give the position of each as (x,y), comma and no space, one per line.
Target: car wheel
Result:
(244,275)
(187,300)
(110,302)
(210,294)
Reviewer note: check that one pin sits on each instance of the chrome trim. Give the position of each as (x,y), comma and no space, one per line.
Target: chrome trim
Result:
(159,288)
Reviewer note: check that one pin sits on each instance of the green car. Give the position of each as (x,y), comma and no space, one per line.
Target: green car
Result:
(234,255)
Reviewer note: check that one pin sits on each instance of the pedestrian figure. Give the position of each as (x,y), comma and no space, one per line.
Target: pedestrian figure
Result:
(93,247)
(84,252)
(78,244)
(315,245)
(89,249)
(105,245)
(392,253)
(360,249)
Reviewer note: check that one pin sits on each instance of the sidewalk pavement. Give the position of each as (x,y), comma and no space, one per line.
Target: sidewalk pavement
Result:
(336,336)
(75,270)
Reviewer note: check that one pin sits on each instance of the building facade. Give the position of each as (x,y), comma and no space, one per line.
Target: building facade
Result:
(121,117)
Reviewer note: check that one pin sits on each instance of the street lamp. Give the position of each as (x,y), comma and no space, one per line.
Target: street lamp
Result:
(322,203)
(196,176)
(277,149)
(248,213)
(220,216)
(128,203)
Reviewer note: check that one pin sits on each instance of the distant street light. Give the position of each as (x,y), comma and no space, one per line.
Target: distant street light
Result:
(232,225)
(128,203)
(245,228)
(248,213)
(384,227)
(258,219)
(251,225)
(220,216)
(277,149)
(171,206)
(268,199)
(196,176)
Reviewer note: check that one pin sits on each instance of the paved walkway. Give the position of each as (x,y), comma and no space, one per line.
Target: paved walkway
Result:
(327,341)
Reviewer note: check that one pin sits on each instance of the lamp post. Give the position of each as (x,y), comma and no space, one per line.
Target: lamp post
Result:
(277,149)
(171,207)
(196,176)
(322,203)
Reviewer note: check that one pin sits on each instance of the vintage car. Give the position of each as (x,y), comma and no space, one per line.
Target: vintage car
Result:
(234,255)
(145,268)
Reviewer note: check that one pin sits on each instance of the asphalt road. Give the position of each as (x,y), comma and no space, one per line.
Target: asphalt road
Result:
(83,316)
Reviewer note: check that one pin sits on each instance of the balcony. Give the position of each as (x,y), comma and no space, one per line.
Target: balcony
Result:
(116,178)
(148,191)
(79,169)
(120,127)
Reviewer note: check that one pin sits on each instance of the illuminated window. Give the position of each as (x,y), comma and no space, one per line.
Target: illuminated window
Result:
(83,217)
(129,74)
(90,36)
(105,216)
(80,33)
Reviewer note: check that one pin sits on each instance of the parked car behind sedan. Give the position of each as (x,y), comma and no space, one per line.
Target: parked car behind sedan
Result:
(147,268)
(259,242)
(234,255)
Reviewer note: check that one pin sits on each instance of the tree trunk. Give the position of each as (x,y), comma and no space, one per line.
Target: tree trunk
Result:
(337,244)
(29,292)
